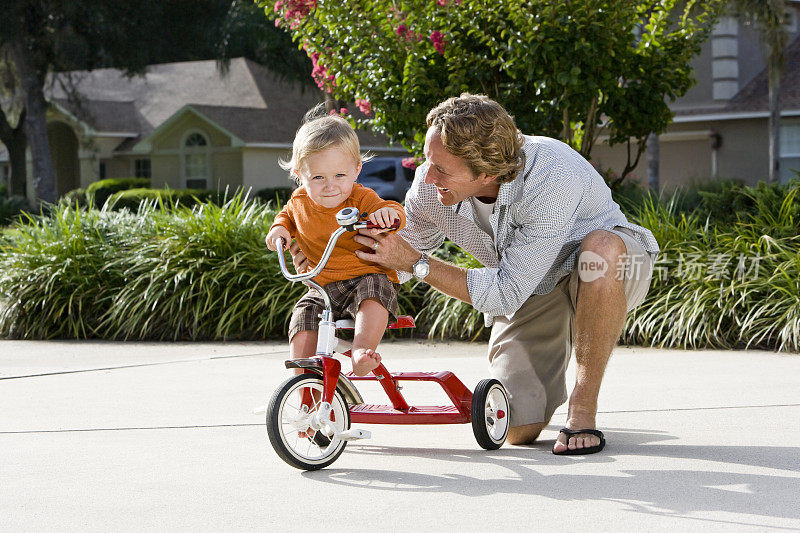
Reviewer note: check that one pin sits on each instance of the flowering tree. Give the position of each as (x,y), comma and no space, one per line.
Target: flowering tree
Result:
(565,69)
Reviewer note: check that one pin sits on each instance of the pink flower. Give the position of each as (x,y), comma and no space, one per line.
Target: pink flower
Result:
(364,106)
(401,30)
(411,162)
(437,38)
(343,111)
(324,79)
(442,2)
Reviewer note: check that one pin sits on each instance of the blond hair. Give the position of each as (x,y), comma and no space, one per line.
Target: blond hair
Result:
(480,131)
(319,132)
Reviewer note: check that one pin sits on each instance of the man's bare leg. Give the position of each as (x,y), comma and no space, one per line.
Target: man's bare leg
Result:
(526,434)
(598,322)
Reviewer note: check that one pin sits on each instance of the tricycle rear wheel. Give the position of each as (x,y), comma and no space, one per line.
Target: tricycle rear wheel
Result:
(490,410)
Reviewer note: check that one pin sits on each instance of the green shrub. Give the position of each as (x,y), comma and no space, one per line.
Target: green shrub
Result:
(131,199)
(722,280)
(161,273)
(100,191)
(166,271)
(3,190)
(76,197)
(722,285)
(12,207)
(277,195)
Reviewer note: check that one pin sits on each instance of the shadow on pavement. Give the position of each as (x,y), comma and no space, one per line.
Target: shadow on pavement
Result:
(653,491)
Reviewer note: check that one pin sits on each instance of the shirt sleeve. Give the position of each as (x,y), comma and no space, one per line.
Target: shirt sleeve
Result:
(420,232)
(285,218)
(547,223)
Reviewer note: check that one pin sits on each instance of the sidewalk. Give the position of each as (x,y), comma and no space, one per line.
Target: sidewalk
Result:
(136,436)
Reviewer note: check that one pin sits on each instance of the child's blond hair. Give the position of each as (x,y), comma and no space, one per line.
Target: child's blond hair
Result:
(318,132)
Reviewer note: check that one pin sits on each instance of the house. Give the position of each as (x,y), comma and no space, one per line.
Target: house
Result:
(183,125)
(720,128)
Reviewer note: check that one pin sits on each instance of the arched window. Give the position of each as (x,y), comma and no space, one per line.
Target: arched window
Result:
(195,161)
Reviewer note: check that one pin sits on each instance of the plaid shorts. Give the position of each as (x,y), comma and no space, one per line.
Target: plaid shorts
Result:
(346,297)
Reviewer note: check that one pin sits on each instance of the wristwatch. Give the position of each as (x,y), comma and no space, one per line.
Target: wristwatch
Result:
(421,268)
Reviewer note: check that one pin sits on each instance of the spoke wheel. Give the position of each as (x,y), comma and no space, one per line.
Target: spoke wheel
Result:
(490,410)
(290,423)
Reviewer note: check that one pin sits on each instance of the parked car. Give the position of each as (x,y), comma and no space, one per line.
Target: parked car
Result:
(387,177)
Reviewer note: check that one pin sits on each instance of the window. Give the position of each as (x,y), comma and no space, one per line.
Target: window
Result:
(102,170)
(142,168)
(790,150)
(195,161)
(5,173)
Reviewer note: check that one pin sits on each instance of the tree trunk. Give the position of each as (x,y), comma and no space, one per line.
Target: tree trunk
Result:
(653,160)
(16,143)
(774,121)
(44,178)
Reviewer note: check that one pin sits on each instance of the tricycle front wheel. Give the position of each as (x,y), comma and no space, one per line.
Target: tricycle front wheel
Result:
(290,421)
(490,410)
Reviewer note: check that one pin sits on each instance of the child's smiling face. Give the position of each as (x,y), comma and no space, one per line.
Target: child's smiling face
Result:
(329,175)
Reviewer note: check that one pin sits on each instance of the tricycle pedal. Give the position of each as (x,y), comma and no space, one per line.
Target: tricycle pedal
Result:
(354,434)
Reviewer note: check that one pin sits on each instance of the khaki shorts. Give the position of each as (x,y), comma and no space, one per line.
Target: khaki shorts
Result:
(529,351)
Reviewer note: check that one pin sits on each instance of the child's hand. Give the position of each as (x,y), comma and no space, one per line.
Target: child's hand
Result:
(278,232)
(384,217)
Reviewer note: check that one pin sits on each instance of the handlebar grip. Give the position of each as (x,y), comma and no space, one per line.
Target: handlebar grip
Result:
(395,225)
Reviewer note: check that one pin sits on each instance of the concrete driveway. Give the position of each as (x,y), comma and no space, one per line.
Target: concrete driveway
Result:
(98,436)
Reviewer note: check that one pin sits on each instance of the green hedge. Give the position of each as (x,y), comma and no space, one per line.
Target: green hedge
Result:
(161,273)
(12,207)
(100,191)
(728,275)
(131,199)
(173,272)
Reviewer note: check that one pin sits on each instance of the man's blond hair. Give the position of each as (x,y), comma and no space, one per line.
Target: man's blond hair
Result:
(480,131)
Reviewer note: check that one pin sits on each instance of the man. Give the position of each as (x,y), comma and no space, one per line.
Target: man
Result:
(562,265)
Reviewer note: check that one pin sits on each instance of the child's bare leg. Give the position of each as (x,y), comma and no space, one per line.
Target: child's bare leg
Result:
(371,320)
(303,344)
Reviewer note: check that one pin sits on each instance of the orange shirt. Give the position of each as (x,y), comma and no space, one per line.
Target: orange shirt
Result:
(312,224)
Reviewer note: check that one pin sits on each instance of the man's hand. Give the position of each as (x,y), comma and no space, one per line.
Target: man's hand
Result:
(298,258)
(388,249)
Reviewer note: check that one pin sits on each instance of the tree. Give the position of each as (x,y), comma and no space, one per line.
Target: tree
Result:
(44,36)
(12,123)
(566,69)
(769,18)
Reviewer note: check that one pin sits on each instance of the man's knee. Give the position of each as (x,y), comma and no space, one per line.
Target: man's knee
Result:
(526,434)
(601,256)
(604,243)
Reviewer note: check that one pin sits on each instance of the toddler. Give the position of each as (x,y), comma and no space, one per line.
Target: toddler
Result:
(326,160)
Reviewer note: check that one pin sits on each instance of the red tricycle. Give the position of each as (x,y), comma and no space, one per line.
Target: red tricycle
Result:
(309,416)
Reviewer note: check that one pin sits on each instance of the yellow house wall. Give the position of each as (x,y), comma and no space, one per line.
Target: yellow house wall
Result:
(165,172)
(225,161)
(261,170)
(171,138)
(742,154)
(226,170)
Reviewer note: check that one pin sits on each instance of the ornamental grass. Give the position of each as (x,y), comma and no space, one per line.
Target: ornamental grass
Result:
(724,279)
(165,272)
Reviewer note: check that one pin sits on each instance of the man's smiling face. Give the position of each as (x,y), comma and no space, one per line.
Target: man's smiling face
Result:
(451,175)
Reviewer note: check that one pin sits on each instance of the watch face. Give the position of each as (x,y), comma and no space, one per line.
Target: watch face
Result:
(421,270)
